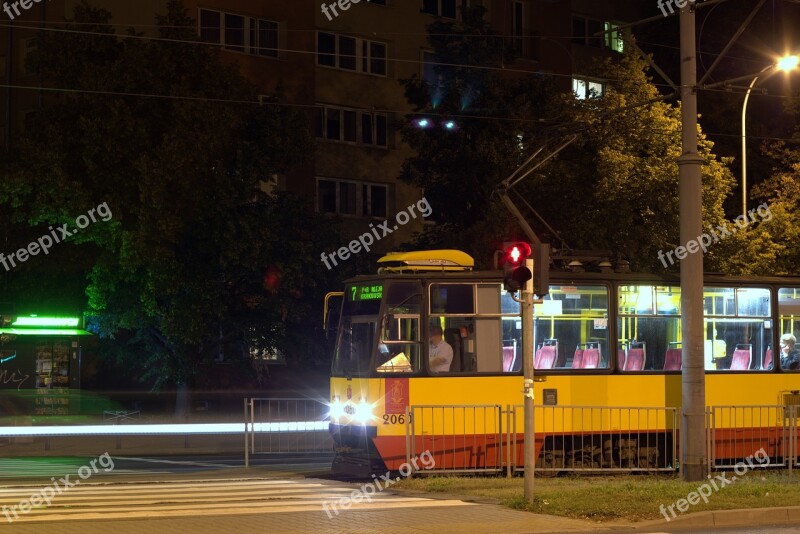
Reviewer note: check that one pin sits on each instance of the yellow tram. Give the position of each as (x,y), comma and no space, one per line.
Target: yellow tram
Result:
(601,340)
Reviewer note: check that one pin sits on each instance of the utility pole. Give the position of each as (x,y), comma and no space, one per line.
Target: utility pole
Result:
(690,190)
(528,369)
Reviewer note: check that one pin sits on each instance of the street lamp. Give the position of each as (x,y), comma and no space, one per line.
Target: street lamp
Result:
(784,64)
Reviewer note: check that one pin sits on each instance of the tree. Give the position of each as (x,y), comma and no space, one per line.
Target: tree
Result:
(198,258)
(615,187)
(623,170)
(770,247)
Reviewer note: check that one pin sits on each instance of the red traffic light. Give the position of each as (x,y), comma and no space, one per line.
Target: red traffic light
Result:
(516,253)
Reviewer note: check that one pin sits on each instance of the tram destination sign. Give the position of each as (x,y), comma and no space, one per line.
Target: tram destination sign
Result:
(366,292)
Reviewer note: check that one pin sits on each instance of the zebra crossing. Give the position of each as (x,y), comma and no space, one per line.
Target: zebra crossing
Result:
(176,499)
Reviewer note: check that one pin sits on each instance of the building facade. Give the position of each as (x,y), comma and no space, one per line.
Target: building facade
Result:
(341,62)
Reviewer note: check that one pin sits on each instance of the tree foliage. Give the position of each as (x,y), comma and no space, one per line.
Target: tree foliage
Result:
(614,188)
(198,259)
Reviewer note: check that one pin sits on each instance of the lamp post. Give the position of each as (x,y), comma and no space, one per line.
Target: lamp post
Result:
(785,64)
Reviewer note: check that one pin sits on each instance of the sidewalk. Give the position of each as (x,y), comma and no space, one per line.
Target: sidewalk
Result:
(447,516)
(542,523)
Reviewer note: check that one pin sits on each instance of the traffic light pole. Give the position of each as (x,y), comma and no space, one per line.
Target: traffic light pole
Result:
(528,370)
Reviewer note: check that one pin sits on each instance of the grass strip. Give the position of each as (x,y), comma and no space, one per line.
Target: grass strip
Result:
(623,497)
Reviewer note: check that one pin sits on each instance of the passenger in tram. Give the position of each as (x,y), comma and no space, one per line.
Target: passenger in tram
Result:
(440,352)
(790,356)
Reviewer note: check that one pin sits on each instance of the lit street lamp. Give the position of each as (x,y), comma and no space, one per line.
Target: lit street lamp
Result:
(785,64)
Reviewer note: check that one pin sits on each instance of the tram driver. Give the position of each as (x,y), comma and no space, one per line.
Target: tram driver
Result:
(790,356)
(440,352)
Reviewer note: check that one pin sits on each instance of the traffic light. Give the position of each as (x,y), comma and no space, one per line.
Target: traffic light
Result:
(515,274)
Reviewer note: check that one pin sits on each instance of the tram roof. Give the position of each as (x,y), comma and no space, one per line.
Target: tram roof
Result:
(567,277)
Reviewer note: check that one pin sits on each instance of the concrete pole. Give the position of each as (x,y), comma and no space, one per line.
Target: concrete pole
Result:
(528,369)
(692,433)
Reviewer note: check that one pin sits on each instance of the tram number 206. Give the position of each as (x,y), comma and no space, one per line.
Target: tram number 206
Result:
(395,419)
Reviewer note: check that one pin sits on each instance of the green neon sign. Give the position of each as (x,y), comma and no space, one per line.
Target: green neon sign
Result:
(55,322)
(43,332)
(366,292)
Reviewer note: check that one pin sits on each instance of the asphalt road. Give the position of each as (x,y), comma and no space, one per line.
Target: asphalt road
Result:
(22,469)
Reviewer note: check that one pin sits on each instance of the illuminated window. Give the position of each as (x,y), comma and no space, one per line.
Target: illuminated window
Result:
(574,320)
(584,89)
(613,37)
(587,31)
(789,314)
(648,327)
(738,328)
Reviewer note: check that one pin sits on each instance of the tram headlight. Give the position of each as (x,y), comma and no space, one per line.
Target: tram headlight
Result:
(363,413)
(336,410)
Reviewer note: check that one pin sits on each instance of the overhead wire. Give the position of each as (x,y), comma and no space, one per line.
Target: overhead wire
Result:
(287,50)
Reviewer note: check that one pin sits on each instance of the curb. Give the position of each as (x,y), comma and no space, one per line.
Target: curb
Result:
(556,523)
(787,515)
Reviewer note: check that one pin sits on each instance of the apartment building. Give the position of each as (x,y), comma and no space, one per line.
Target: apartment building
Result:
(342,67)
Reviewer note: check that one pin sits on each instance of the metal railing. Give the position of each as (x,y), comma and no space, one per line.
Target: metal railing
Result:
(488,438)
(462,438)
(597,438)
(286,426)
(738,433)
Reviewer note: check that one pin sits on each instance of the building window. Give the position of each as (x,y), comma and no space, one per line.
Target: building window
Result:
(234,32)
(263,38)
(352,126)
(347,52)
(326,196)
(326,49)
(377,58)
(429,74)
(239,33)
(210,24)
(347,198)
(443,8)
(613,37)
(584,89)
(352,198)
(586,31)
(351,53)
(373,200)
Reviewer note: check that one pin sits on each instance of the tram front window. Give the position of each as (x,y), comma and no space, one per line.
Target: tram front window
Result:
(399,348)
(357,330)
(354,349)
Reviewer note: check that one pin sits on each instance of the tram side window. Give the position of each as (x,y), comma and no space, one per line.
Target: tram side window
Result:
(479,323)
(648,328)
(738,328)
(789,327)
(571,328)
(453,299)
